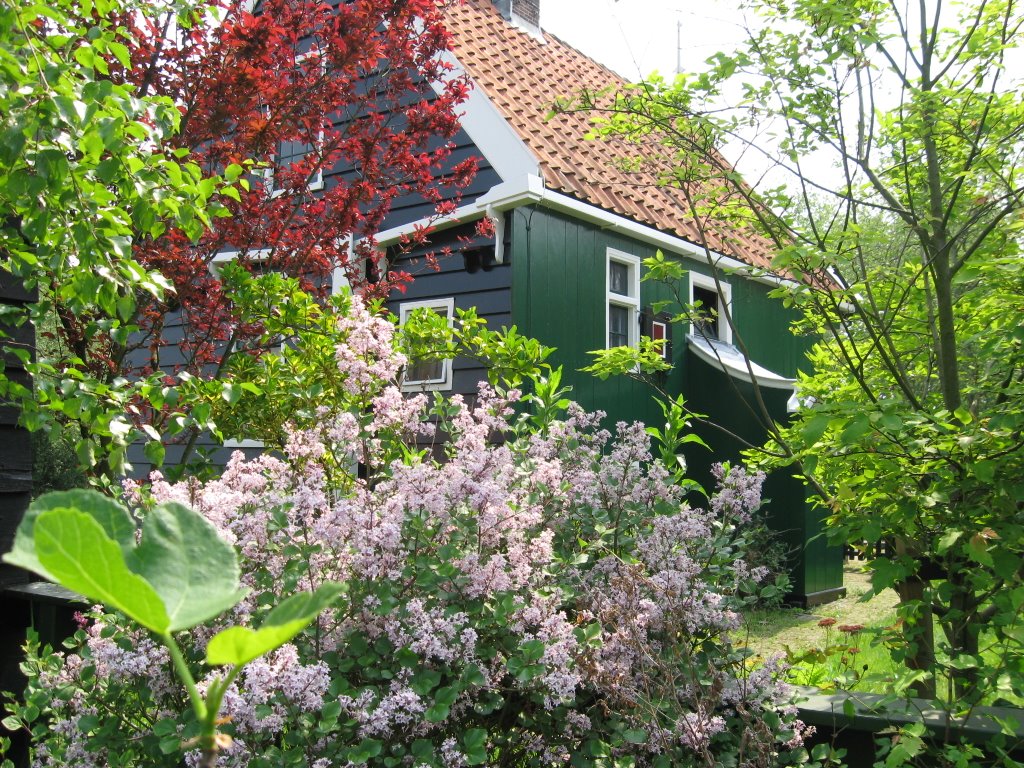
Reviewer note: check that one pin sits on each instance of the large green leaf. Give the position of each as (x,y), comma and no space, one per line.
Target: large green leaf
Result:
(240,645)
(190,566)
(112,518)
(75,549)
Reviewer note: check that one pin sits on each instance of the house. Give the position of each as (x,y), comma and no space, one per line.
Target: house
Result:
(566,261)
(565,264)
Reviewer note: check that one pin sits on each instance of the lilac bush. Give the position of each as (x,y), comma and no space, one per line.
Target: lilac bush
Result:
(542,596)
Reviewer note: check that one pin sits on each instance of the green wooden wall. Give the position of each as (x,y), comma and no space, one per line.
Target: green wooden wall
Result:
(558,297)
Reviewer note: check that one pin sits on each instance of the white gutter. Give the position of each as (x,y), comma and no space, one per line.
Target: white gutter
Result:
(499,198)
(531,190)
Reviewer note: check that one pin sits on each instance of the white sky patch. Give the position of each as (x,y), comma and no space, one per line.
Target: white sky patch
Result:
(637,37)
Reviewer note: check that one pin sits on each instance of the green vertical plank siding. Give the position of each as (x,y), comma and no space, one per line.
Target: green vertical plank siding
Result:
(764,325)
(558,296)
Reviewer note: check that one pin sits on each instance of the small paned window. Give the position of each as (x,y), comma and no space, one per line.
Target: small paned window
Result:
(622,291)
(618,278)
(293,151)
(706,318)
(428,374)
(618,326)
(708,301)
(289,152)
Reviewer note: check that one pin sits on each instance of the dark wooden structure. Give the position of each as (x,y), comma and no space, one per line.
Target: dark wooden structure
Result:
(15,443)
(15,494)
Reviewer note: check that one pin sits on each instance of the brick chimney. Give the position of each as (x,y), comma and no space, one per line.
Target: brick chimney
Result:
(527,11)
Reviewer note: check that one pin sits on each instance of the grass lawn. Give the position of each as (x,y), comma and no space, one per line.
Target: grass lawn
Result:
(769,632)
(853,662)
(797,634)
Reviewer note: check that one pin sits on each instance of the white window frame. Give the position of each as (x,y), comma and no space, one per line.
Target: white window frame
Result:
(256,254)
(444,383)
(724,292)
(630,302)
(317,183)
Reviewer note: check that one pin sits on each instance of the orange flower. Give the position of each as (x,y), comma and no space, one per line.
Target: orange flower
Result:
(827,622)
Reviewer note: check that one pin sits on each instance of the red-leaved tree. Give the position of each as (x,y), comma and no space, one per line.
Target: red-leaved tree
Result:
(329,109)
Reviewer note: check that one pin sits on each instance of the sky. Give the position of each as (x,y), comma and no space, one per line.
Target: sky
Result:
(636,37)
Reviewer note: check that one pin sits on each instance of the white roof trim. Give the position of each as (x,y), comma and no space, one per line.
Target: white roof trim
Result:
(497,141)
(727,358)
(530,189)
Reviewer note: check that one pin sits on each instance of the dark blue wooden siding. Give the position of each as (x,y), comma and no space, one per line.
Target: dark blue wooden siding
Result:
(489,290)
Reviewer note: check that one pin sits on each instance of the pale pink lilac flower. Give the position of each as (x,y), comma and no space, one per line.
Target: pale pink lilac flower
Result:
(738,495)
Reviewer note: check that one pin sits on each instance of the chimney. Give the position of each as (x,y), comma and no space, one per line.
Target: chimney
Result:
(526,11)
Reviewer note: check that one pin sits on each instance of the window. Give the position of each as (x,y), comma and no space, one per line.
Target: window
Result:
(257,258)
(623,299)
(710,322)
(423,375)
(293,151)
(371,266)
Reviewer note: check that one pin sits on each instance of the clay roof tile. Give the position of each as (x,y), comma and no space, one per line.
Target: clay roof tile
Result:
(523,76)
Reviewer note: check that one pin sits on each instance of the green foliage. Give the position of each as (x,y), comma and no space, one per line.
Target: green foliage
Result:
(239,645)
(291,371)
(86,542)
(851,657)
(54,463)
(82,176)
(509,358)
(180,574)
(645,359)
(906,264)
(674,434)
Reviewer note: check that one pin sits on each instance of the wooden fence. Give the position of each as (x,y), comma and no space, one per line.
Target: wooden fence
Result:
(864,550)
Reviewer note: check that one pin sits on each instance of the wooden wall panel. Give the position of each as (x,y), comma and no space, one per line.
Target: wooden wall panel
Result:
(15,442)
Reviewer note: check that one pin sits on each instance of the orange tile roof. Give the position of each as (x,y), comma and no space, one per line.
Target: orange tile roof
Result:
(523,77)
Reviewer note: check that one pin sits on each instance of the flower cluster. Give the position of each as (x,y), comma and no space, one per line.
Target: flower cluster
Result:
(368,357)
(739,493)
(538,593)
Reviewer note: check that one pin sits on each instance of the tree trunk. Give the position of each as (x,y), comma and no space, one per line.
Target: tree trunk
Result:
(920,637)
(963,636)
